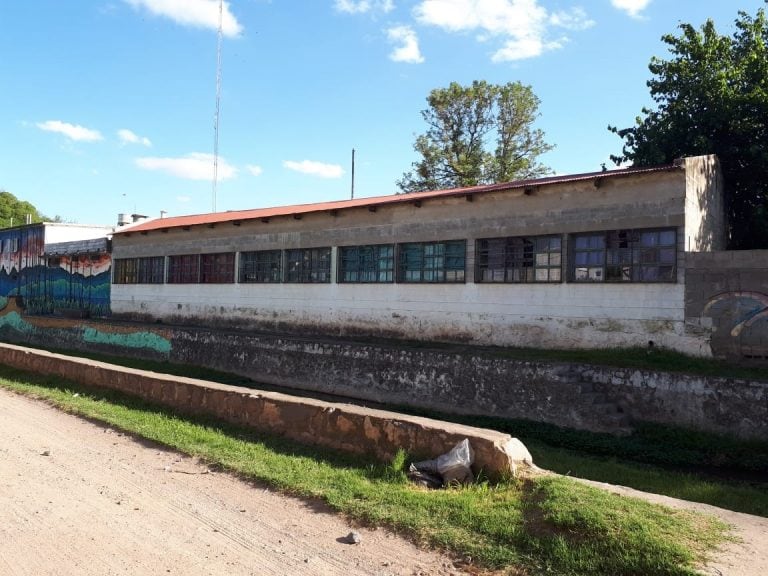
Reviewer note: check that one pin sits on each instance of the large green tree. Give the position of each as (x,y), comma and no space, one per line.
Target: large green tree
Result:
(478,134)
(712,97)
(13,212)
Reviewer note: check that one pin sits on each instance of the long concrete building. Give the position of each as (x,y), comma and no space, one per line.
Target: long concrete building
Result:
(585,260)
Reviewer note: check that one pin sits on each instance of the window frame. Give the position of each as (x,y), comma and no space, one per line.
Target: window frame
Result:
(430,261)
(307,265)
(519,259)
(217,268)
(125,271)
(183,269)
(625,257)
(370,266)
(151,270)
(253,263)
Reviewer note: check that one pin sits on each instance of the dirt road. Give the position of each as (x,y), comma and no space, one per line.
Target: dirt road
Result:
(79,499)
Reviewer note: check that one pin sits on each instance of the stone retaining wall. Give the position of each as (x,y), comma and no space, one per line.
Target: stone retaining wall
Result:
(459,379)
(338,426)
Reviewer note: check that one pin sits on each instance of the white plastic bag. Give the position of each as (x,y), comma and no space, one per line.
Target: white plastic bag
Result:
(456,465)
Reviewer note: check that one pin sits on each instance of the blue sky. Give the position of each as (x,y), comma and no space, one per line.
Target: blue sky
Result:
(108,106)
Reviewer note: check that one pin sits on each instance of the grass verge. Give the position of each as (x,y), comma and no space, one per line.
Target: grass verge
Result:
(694,466)
(538,525)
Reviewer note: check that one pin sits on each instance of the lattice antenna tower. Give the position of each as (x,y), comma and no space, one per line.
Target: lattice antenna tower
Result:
(218,106)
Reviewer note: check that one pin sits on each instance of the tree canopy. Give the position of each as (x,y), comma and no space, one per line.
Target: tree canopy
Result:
(478,134)
(13,212)
(712,97)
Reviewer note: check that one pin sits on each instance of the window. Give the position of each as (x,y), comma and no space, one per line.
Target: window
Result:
(152,270)
(432,261)
(184,269)
(625,256)
(149,270)
(519,259)
(217,268)
(126,271)
(261,266)
(308,265)
(589,258)
(374,263)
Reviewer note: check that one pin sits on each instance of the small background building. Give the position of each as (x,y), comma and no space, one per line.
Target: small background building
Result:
(75,275)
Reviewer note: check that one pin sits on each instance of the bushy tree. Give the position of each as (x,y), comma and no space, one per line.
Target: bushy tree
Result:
(712,97)
(478,134)
(13,212)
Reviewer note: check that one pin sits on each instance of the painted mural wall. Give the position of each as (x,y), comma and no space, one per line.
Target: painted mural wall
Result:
(726,297)
(78,284)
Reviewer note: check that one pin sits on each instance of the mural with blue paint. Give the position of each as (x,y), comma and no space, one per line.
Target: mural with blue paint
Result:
(25,329)
(70,283)
(740,322)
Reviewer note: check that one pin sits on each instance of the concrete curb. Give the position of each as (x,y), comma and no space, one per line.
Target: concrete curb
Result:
(339,426)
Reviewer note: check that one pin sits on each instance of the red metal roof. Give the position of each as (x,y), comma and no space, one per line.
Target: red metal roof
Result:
(376,201)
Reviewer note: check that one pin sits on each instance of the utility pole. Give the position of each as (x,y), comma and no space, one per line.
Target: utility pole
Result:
(218,102)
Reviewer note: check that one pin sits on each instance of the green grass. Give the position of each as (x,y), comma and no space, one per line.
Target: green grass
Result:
(537,525)
(694,466)
(740,496)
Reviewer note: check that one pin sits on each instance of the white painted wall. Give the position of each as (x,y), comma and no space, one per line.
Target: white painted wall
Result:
(547,315)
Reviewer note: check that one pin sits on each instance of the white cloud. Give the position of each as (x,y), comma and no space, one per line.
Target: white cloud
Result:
(194,166)
(315,168)
(71,131)
(631,7)
(183,198)
(575,19)
(254,170)
(363,6)
(522,25)
(128,137)
(407,45)
(197,13)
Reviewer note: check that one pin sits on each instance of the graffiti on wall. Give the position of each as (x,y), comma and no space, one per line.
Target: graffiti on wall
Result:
(74,283)
(739,322)
(17,326)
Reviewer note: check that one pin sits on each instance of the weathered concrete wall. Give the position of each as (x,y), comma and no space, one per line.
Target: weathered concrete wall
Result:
(705,222)
(338,426)
(471,382)
(564,315)
(726,297)
(463,380)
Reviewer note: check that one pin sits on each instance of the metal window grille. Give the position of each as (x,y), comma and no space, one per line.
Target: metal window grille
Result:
(432,262)
(519,259)
(184,269)
(151,270)
(367,264)
(217,268)
(126,271)
(626,256)
(261,266)
(308,265)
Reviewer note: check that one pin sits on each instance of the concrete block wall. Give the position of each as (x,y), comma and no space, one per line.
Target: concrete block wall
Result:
(726,298)
(560,315)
